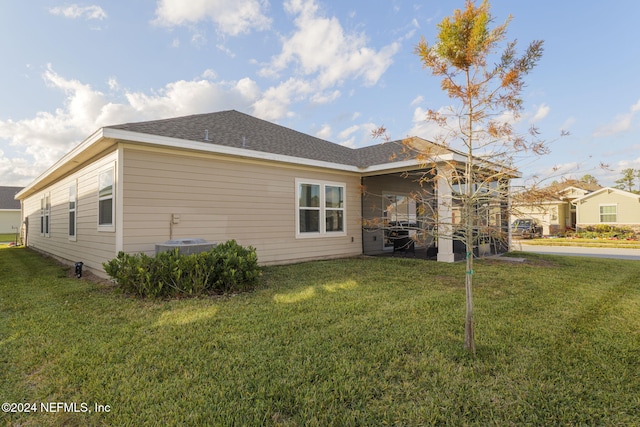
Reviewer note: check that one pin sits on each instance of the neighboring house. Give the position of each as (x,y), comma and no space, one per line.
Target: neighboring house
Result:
(552,207)
(222,176)
(609,206)
(9,210)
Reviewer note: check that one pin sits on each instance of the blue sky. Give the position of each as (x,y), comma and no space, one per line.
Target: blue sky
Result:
(335,70)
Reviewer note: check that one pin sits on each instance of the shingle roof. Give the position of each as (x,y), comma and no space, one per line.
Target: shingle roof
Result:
(234,129)
(6,198)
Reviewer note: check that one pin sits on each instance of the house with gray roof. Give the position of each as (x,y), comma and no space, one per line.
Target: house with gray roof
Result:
(9,210)
(221,176)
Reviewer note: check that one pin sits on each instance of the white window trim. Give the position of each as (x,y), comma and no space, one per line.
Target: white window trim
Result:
(73,187)
(107,227)
(600,213)
(323,209)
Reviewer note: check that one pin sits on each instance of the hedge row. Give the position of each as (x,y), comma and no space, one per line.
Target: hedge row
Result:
(226,268)
(605,231)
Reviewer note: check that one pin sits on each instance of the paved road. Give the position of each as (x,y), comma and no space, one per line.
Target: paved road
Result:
(633,254)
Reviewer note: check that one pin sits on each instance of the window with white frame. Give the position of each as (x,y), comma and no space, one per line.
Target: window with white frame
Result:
(106,205)
(321,208)
(42,210)
(608,213)
(45,215)
(72,211)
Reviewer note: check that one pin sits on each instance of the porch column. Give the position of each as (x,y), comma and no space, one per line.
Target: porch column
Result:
(445,218)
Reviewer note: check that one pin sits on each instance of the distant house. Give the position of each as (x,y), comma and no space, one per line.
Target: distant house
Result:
(552,207)
(9,210)
(609,206)
(222,176)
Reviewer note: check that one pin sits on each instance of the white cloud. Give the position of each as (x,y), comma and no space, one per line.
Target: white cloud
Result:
(568,123)
(320,47)
(323,56)
(417,101)
(39,141)
(621,123)
(231,17)
(345,134)
(541,113)
(559,172)
(275,101)
(423,128)
(324,132)
(75,11)
(357,136)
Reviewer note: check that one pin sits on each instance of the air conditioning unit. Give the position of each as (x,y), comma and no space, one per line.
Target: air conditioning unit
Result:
(185,246)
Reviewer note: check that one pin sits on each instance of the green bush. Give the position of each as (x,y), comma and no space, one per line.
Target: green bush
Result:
(604,231)
(228,267)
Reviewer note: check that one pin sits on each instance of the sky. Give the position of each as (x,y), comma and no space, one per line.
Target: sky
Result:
(335,70)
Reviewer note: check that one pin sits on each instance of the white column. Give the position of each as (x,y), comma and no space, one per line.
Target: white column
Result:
(445,201)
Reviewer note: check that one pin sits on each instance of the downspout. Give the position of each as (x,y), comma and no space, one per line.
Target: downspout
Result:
(362,214)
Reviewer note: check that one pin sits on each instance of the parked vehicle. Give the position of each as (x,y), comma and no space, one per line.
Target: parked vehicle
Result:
(526,229)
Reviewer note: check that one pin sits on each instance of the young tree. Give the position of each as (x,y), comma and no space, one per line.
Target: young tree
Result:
(627,181)
(486,87)
(589,179)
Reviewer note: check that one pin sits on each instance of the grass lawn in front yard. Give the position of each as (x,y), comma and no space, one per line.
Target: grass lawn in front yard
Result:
(366,341)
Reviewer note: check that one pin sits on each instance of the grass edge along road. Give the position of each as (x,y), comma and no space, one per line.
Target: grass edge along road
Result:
(363,341)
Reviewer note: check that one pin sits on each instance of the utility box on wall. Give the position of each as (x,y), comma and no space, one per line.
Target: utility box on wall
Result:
(185,246)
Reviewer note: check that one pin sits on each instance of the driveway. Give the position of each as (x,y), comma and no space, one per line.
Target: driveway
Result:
(617,253)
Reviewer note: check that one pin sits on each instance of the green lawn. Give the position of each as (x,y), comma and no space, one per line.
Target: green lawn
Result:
(7,237)
(372,341)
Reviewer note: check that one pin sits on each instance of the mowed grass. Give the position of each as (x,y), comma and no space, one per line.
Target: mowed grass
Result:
(371,341)
(7,237)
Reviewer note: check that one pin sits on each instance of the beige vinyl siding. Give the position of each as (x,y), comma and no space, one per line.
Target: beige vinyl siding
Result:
(221,198)
(628,208)
(90,247)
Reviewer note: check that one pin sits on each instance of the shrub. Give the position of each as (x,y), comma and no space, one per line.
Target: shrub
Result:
(604,231)
(226,268)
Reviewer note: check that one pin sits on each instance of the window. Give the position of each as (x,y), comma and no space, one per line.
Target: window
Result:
(321,208)
(72,212)
(608,213)
(105,200)
(45,214)
(334,208)
(42,210)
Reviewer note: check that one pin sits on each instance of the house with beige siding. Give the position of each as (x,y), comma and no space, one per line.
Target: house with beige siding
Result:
(9,210)
(221,176)
(552,207)
(609,206)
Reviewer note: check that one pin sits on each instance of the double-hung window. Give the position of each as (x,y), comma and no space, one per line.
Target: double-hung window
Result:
(106,205)
(320,208)
(608,213)
(72,211)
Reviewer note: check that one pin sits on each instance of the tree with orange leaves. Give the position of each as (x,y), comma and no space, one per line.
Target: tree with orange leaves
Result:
(484,93)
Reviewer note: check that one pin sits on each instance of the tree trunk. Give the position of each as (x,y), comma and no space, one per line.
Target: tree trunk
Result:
(469,340)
